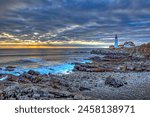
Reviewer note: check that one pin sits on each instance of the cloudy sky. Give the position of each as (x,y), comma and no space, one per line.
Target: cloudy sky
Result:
(73,22)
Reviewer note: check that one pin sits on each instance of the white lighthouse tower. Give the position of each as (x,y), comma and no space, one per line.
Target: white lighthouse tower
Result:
(116,42)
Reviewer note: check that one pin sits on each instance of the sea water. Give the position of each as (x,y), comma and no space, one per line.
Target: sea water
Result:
(45,61)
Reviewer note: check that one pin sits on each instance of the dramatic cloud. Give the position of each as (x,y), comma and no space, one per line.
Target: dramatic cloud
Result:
(75,21)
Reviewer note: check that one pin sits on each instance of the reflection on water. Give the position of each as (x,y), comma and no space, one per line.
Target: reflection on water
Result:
(43,60)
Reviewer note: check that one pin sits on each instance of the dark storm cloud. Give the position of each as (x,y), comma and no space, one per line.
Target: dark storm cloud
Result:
(95,19)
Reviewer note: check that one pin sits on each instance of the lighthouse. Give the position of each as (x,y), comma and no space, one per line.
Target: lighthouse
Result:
(116,42)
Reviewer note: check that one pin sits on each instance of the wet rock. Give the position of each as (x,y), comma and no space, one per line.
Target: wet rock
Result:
(26,77)
(10,68)
(92,68)
(114,82)
(79,68)
(32,72)
(12,78)
(3,77)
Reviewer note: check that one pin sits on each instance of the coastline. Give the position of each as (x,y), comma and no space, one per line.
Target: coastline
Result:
(115,76)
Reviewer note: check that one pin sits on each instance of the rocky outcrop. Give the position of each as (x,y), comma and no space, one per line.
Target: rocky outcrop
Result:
(92,68)
(38,87)
(119,60)
(142,51)
(107,51)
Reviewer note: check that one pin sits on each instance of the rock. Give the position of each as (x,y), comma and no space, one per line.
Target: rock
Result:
(12,78)
(11,98)
(51,95)
(105,51)
(79,68)
(92,68)
(114,82)
(79,97)
(96,58)
(148,68)
(10,68)
(139,69)
(12,91)
(61,94)
(130,67)
(1,95)
(115,56)
(43,92)
(27,91)
(84,88)
(23,98)
(101,70)
(123,68)
(26,77)
(32,72)
(142,51)
(36,96)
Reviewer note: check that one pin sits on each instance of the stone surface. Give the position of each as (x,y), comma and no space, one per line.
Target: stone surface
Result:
(114,82)
(10,68)
(32,72)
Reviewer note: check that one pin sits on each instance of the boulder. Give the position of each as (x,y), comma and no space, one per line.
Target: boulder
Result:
(114,82)
(36,96)
(12,78)
(84,85)
(10,68)
(32,72)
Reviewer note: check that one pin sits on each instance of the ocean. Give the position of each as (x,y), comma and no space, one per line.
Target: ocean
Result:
(45,61)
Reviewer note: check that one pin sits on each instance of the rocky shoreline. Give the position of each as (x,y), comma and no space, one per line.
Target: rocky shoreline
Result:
(118,74)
